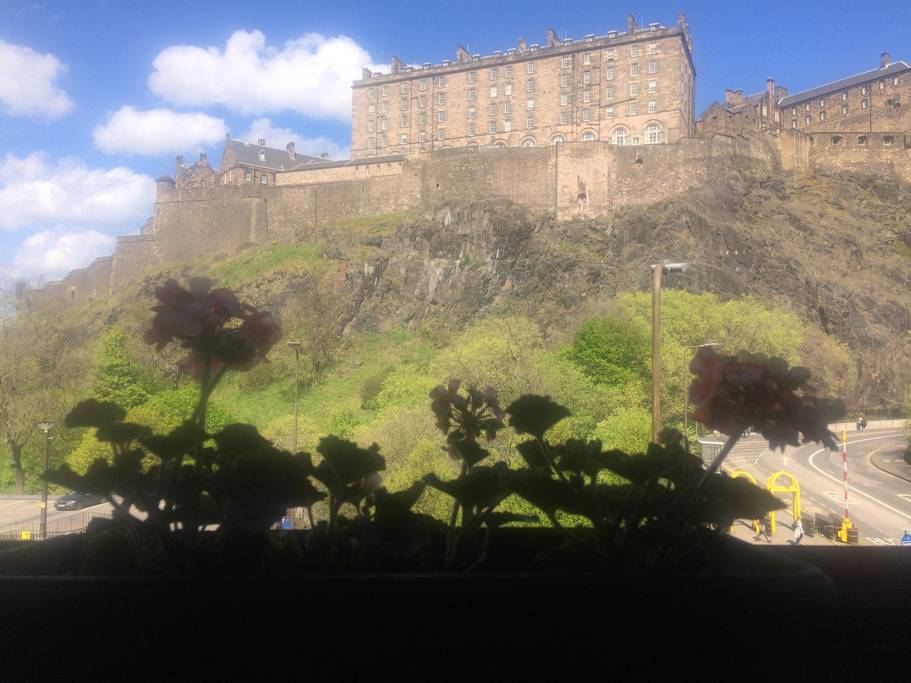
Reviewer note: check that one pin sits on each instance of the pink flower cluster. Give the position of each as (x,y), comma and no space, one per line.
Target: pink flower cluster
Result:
(733,393)
(203,320)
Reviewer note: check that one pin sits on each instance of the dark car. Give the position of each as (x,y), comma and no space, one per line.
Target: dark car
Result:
(77,501)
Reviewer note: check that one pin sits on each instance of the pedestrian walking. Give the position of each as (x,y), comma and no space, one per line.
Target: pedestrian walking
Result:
(863,423)
(858,424)
(798,531)
(765,525)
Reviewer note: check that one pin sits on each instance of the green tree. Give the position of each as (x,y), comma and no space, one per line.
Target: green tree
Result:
(629,430)
(612,350)
(117,378)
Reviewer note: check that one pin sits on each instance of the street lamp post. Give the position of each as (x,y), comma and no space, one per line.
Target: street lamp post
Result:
(296,345)
(46,428)
(659,270)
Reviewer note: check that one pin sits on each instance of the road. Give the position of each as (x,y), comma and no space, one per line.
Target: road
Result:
(879,502)
(18,513)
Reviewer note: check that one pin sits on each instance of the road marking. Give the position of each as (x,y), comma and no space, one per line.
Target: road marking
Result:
(866,495)
(878,540)
(839,496)
(905,496)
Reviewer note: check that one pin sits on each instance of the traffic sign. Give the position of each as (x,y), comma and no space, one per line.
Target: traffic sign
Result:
(906,539)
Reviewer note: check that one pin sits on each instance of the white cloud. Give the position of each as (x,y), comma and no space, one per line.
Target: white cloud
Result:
(53,253)
(311,75)
(157,131)
(279,137)
(68,195)
(27,83)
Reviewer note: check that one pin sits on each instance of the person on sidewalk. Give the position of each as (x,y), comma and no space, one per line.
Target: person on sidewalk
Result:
(798,531)
(765,527)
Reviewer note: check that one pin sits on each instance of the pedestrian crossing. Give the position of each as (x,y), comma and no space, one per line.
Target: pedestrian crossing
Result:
(879,540)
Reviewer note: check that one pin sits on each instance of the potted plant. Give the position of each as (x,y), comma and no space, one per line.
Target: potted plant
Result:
(634,543)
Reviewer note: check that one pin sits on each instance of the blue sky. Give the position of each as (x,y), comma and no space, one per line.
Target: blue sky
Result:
(97,97)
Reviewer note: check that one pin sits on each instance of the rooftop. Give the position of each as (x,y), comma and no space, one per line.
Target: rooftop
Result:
(271,158)
(892,69)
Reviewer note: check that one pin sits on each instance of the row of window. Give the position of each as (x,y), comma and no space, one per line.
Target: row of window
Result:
(653,134)
(864,91)
(494,71)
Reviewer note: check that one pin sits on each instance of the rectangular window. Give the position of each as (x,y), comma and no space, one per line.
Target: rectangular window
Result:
(422,119)
(564,80)
(422,102)
(493,127)
(586,77)
(441,133)
(422,84)
(822,116)
(371,143)
(566,62)
(493,91)
(471,130)
(822,104)
(844,97)
(609,75)
(493,73)
(844,109)
(586,115)
(507,126)
(653,48)
(529,104)
(382,122)
(507,107)
(403,139)
(403,121)
(652,106)
(530,86)
(530,68)
(493,108)
(508,69)
(793,123)
(404,105)
(609,92)
(441,81)
(564,118)
(633,89)
(507,89)
(263,179)
(864,104)
(404,88)
(382,140)
(384,107)
(882,85)
(633,108)
(472,77)
(587,58)
(441,116)
(653,66)
(863,90)
(807,120)
(472,113)
(529,121)
(895,81)
(371,110)
(385,91)
(652,87)
(609,112)
(634,69)
(370,127)
(806,106)
(610,54)
(441,99)
(371,94)
(586,96)
(422,136)
(472,94)
(633,50)
(564,100)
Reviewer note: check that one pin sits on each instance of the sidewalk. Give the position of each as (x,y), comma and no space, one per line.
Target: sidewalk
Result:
(894,462)
(784,534)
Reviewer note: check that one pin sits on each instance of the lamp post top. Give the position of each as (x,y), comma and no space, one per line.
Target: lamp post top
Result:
(45,426)
(294,344)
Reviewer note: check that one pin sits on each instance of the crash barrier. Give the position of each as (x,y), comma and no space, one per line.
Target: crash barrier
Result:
(789,485)
(749,477)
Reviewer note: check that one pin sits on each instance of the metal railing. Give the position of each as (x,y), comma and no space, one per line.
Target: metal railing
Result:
(30,530)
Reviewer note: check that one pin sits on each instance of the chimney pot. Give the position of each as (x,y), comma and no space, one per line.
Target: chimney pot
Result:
(290,148)
(261,141)
(884,60)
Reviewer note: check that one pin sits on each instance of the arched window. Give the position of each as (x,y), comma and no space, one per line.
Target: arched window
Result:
(619,136)
(588,136)
(528,142)
(557,140)
(472,146)
(499,144)
(653,133)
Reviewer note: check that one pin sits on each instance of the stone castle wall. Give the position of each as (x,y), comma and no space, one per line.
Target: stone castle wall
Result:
(569,180)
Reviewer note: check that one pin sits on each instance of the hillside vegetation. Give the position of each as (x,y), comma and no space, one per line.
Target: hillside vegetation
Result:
(815,269)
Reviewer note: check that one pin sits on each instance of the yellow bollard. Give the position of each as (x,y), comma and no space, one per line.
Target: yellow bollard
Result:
(842,533)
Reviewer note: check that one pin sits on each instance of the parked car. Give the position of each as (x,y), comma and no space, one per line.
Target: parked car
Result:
(77,501)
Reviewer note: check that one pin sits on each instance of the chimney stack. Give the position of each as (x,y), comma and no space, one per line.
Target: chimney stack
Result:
(324,155)
(522,45)
(884,60)
(366,73)
(180,159)
(203,158)
(462,55)
(261,141)
(396,65)
(733,98)
(552,39)
(631,24)
(290,148)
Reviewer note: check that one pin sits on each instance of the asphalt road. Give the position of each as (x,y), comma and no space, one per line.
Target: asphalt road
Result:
(879,502)
(18,513)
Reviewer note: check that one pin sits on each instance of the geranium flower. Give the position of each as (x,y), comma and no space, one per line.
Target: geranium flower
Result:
(733,393)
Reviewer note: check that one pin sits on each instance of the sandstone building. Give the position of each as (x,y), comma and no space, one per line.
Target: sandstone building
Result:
(631,87)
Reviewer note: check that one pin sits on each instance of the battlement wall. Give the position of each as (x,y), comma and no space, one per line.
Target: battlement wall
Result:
(870,152)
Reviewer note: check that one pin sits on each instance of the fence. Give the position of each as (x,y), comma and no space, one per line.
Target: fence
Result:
(31,530)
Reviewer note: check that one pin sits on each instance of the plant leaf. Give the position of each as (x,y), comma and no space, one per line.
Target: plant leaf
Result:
(94,413)
(532,414)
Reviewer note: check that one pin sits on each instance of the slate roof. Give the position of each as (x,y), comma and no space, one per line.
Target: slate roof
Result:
(272,159)
(883,72)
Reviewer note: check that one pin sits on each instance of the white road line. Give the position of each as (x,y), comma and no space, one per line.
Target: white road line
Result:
(866,495)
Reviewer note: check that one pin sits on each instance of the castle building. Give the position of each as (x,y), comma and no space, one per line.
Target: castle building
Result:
(874,100)
(628,88)
(245,162)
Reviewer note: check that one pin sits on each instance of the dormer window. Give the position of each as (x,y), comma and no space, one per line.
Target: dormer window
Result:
(262,155)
